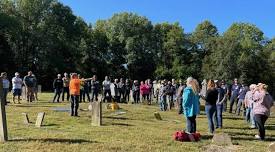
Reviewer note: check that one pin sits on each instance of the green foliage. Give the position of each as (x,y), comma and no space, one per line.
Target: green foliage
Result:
(46,37)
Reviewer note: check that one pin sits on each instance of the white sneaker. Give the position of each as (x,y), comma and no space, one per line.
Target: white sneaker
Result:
(257,137)
(252,127)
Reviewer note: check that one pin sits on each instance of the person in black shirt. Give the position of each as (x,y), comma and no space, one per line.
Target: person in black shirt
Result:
(57,86)
(135,91)
(94,88)
(127,90)
(210,104)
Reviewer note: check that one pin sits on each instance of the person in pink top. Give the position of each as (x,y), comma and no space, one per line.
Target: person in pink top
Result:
(261,110)
(144,90)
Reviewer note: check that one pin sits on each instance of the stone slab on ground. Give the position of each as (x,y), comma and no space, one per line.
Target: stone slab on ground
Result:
(221,139)
(62,109)
(216,148)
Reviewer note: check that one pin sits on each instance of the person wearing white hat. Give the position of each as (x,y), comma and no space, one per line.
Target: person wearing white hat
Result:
(57,86)
(17,83)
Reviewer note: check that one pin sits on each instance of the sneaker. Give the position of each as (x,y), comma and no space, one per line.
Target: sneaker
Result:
(257,137)
(252,127)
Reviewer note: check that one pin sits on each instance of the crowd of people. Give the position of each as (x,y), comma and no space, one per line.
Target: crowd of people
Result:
(254,101)
(30,83)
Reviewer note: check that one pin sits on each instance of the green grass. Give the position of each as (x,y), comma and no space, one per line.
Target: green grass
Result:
(137,130)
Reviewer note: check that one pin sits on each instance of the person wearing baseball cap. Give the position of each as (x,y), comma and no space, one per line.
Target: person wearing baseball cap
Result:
(17,83)
(57,86)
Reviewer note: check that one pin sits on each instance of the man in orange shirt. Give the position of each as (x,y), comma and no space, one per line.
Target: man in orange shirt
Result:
(75,92)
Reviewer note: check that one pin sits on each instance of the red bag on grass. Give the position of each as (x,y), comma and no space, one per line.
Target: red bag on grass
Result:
(183,136)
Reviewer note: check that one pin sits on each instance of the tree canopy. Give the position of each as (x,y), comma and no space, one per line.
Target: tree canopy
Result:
(46,37)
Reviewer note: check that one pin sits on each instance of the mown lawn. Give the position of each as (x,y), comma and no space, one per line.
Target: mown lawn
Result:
(137,130)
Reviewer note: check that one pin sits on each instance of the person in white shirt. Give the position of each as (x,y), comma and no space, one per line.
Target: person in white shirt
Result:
(6,86)
(17,83)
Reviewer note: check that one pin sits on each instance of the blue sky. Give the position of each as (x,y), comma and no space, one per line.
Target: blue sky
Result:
(189,13)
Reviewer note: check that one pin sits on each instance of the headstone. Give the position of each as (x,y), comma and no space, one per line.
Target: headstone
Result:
(40,118)
(24,93)
(39,88)
(222,139)
(96,113)
(157,116)
(3,120)
(25,118)
(271,147)
(112,87)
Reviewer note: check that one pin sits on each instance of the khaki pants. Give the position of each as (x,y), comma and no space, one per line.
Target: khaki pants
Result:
(30,96)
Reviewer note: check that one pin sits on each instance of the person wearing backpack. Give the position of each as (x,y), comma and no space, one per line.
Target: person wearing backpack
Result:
(190,104)
(261,110)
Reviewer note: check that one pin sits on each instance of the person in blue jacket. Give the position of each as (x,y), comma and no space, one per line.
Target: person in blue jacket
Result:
(190,104)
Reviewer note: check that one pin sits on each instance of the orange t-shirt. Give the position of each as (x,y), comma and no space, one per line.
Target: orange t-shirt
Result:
(75,87)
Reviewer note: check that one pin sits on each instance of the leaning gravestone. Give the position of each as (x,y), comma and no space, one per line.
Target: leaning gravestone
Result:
(271,147)
(40,118)
(157,116)
(25,118)
(3,120)
(96,113)
(222,139)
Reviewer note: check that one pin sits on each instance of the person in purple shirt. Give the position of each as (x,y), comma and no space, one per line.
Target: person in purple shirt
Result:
(261,110)
(241,98)
(235,89)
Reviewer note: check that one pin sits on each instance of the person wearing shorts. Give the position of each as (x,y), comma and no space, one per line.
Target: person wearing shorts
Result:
(16,87)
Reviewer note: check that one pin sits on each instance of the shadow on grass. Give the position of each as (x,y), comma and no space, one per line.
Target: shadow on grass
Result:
(121,124)
(251,138)
(206,137)
(117,118)
(240,134)
(233,118)
(235,127)
(30,105)
(49,125)
(55,140)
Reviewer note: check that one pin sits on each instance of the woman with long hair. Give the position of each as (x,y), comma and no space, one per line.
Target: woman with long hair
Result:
(261,109)
(210,104)
(190,104)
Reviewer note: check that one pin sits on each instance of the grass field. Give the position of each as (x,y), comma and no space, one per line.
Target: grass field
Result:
(137,130)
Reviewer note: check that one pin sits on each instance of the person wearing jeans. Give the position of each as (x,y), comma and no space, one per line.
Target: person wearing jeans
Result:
(65,90)
(94,88)
(75,92)
(219,104)
(106,84)
(248,103)
(241,97)
(57,86)
(262,104)
(190,104)
(135,91)
(163,96)
(235,89)
(210,104)
(6,86)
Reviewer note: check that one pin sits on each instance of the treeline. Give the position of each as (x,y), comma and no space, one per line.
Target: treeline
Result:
(46,37)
